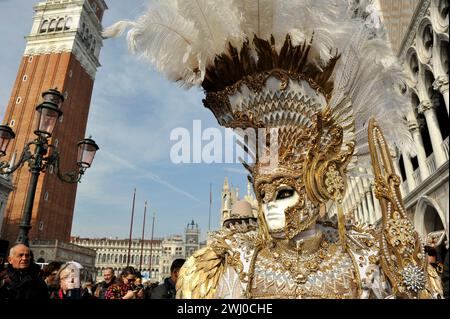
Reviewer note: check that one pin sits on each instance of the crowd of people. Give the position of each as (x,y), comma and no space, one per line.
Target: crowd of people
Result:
(22,278)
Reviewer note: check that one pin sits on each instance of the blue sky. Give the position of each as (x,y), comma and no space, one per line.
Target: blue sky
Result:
(133,111)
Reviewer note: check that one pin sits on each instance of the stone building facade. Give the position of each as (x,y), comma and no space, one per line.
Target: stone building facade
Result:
(152,258)
(46,251)
(424,53)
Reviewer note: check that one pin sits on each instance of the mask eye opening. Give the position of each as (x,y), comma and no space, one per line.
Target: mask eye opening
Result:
(284,192)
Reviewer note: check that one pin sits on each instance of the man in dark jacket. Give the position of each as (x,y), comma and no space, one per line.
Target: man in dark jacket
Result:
(110,279)
(21,278)
(167,289)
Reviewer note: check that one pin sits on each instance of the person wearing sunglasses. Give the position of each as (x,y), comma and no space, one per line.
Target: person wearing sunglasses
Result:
(126,289)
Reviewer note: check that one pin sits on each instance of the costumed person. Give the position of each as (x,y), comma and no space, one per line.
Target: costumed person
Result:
(300,81)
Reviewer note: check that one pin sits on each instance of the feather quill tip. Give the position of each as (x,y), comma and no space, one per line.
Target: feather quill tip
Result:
(116,30)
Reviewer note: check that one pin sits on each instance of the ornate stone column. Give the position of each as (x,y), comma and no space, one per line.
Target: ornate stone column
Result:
(409,172)
(371,207)
(414,128)
(441,85)
(427,108)
(397,166)
(361,212)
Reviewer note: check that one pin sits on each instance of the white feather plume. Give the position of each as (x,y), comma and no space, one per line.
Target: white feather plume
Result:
(258,17)
(218,23)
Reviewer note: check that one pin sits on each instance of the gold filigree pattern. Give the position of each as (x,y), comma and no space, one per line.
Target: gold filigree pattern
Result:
(334,182)
(234,260)
(298,265)
(219,103)
(401,252)
(327,273)
(399,232)
(244,121)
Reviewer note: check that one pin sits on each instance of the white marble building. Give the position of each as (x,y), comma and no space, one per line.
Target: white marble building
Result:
(114,253)
(418,30)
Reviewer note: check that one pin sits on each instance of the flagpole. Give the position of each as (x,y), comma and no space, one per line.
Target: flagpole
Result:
(151,248)
(131,228)
(143,233)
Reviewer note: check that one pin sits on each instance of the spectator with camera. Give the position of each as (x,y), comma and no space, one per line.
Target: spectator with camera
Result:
(126,288)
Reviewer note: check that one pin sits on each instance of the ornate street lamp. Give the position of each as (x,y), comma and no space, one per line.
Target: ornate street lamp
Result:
(48,113)
(6,135)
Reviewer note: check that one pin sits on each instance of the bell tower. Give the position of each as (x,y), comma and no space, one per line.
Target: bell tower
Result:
(62,51)
(227,201)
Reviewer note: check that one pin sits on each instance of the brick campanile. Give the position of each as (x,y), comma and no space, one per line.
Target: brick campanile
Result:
(62,52)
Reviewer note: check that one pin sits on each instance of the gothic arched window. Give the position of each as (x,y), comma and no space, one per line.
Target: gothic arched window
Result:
(68,24)
(52,26)
(444,56)
(414,65)
(94,43)
(60,25)
(44,27)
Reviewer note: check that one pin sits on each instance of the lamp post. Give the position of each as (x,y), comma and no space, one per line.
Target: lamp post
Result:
(44,155)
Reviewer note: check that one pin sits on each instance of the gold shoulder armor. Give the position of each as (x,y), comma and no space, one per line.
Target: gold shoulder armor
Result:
(199,277)
(401,252)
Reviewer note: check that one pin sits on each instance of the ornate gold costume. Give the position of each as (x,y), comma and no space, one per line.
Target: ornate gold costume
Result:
(312,75)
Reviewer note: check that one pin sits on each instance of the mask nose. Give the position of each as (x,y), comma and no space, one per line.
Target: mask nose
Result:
(271,205)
